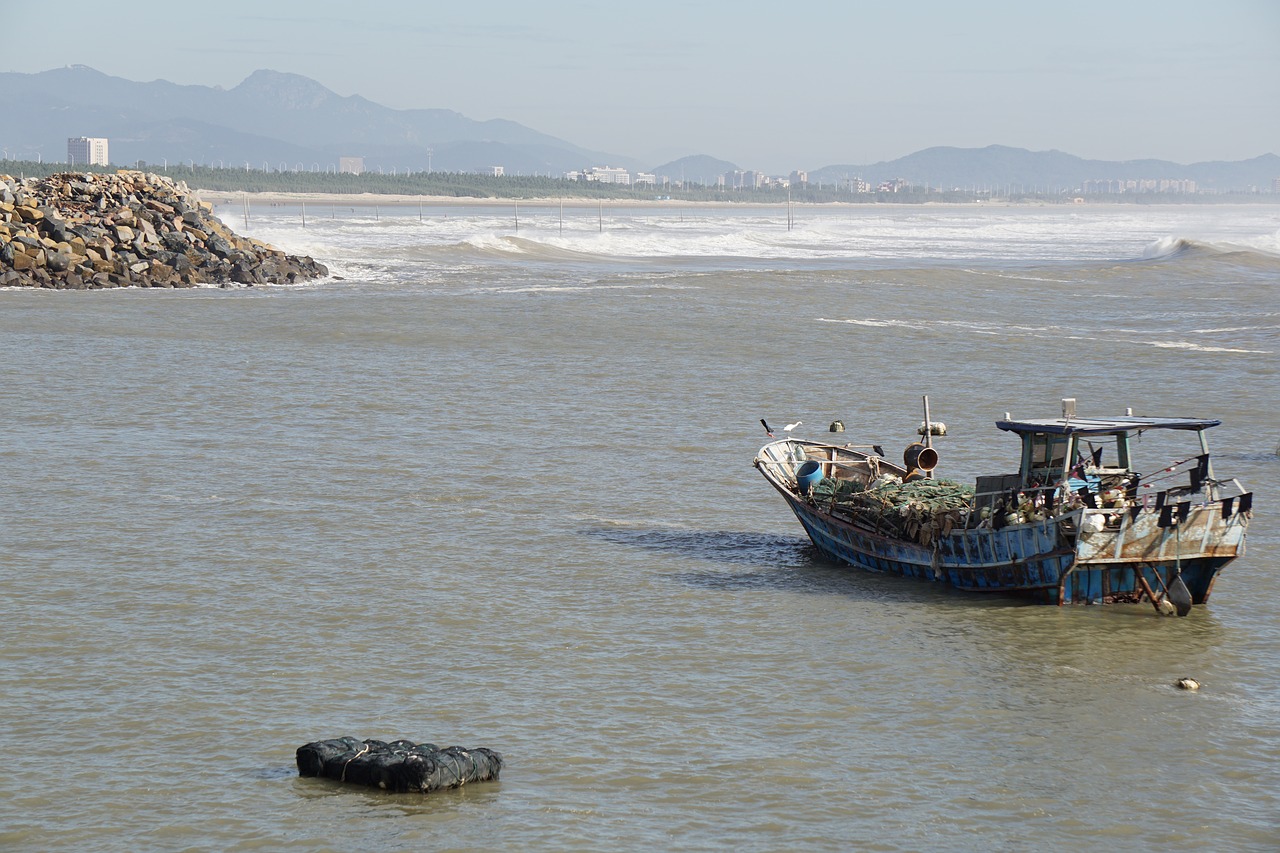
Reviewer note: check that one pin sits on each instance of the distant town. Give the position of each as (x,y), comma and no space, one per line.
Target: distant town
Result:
(95,152)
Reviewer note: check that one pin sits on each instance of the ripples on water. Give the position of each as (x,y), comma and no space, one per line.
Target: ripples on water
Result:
(495,490)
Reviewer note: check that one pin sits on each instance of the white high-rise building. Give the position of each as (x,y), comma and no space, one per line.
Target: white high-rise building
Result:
(607,175)
(86,151)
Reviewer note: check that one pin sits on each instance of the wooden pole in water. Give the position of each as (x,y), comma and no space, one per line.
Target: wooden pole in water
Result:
(928,427)
(1146,587)
(304,214)
(928,433)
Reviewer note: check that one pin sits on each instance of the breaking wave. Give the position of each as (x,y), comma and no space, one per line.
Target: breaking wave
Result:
(1179,248)
(766,239)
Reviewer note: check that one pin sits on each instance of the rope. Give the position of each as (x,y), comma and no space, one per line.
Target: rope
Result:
(351,759)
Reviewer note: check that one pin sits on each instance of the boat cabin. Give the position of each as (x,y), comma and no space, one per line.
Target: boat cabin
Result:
(1094,456)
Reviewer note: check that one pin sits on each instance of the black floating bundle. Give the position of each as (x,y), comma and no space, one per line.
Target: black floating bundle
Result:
(398,766)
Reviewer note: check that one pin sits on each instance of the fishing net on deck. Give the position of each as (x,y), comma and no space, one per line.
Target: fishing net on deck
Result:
(398,766)
(920,510)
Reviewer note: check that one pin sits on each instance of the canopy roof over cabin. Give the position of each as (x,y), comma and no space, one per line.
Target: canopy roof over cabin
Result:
(1103,426)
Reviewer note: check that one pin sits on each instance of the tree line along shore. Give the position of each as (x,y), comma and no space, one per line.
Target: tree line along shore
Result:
(465,186)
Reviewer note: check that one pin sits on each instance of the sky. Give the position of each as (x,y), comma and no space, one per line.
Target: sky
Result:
(772,86)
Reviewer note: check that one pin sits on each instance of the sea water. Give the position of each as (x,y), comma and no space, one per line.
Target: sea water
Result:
(491,485)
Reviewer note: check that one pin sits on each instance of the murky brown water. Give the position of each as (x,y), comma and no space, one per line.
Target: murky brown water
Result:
(498,493)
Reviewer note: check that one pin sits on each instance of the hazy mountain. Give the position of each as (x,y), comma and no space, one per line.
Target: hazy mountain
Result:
(699,168)
(998,165)
(286,120)
(270,117)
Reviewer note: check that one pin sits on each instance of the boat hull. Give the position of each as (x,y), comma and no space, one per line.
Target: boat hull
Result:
(1083,557)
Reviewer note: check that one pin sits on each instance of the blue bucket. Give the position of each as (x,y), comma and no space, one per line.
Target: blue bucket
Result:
(808,475)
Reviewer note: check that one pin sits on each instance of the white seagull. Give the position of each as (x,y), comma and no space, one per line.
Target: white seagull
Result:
(790,427)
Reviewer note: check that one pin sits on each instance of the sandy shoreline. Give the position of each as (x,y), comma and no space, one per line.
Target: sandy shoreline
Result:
(221,197)
(392,200)
(369,200)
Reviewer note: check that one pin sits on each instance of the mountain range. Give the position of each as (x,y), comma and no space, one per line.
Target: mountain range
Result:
(286,121)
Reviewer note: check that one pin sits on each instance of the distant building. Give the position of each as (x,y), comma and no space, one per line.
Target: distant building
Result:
(646,178)
(499,171)
(1147,185)
(1275,185)
(606,175)
(799,177)
(740,179)
(351,165)
(86,151)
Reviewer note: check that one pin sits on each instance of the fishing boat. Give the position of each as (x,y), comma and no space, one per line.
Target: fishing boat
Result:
(1083,521)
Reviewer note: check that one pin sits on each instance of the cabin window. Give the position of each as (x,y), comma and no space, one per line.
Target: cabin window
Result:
(1048,451)
(1103,452)
(1094,453)
(1048,456)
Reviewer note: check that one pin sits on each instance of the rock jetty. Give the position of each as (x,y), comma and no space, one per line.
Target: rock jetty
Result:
(80,231)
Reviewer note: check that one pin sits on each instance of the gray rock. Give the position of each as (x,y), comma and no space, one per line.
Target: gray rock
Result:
(79,230)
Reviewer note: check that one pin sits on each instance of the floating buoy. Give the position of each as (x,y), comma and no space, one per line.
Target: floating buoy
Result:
(836,426)
(1187,684)
(1166,607)
(399,766)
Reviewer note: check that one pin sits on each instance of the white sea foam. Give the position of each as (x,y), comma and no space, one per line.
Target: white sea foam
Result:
(1188,345)
(844,235)
(1109,335)
(1236,329)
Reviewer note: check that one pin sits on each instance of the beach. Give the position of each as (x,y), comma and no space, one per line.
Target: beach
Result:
(396,200)
(393,200)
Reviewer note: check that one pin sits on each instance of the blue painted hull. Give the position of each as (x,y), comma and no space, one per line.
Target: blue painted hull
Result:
(1087,556)
(1025,560)
(1037,561)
